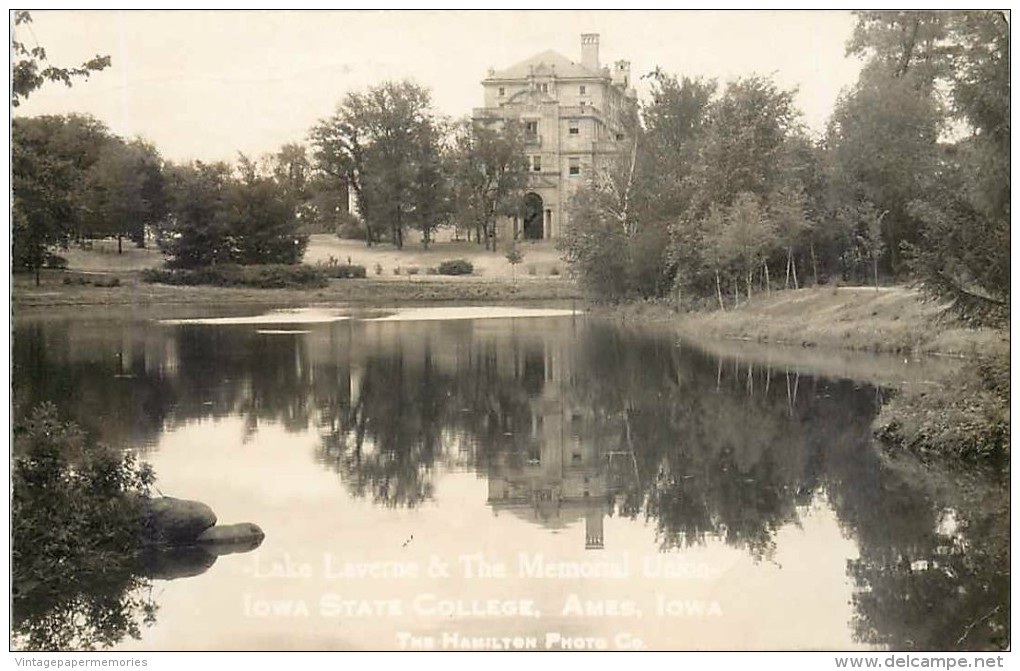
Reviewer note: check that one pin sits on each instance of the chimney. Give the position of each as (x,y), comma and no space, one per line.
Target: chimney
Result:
(590,51)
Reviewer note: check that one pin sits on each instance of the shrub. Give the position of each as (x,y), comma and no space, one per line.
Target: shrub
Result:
(76,534)
(270,276)
(532,270)
(103,281)
(378,269)
(346,271)
(555,271)
(351,231)
(413,270)
(456,267)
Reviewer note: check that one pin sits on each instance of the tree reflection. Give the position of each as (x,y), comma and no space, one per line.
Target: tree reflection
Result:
(96,616)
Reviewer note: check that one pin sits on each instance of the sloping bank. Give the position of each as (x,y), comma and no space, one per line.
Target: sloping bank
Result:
(961,411)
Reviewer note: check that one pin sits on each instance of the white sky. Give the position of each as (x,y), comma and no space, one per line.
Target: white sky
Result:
(206,85)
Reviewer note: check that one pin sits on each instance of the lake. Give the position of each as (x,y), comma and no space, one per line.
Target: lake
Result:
(473,478)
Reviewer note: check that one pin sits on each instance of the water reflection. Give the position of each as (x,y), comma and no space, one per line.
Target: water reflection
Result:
(571,423)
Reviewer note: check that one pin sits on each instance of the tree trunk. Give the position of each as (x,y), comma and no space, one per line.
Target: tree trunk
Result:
(718,291)
(814,262)
(793,262)
(874,264)
(768,285)
(120,246)
(37,276)
(789,255)
(736,294)
(750,278)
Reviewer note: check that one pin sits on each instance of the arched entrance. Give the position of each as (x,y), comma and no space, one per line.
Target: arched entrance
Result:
(533,217)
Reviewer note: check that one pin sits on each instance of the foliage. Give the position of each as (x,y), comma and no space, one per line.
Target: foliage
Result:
(268,276)
(123,192)
(350,227)
(456,267)
(50,158)
(967,422)
(346,271)
(217,218)
(384,143)
(514,256)
(76,522)
(882,140)
(488,173)
(30,69)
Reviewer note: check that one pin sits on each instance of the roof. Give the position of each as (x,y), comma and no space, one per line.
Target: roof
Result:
(545,63)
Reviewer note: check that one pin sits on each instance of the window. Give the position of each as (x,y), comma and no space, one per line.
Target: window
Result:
(619,136)
(531,130)
(544,88)
(583,90)
(502,91)
(574,128)
(536,164)
(573,166)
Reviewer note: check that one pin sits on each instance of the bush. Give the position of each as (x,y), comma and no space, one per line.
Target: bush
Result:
(456,267)
(346,271)
(965,418)
(555,271)
(75,505)
(76,535)
(352,230)
(270,276)
(103,281)
(413,270)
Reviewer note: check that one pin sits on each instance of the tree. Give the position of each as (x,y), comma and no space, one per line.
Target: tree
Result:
(377,141)
(123,192)
(488,170)
(259,216)
(746,238)
(514,256)
(197,233)
(963,253)
(31,70)
(882,139)
(42,207)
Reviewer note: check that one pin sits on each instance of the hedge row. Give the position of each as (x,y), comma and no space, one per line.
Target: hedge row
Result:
(271,276)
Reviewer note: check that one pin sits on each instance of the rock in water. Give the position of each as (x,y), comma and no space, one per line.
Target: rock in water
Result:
(231,538)
(177,521)
(176,562)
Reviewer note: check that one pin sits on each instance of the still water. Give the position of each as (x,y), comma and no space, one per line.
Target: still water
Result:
(432,479)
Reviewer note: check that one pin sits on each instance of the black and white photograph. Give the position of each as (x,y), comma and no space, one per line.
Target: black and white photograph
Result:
(442,331)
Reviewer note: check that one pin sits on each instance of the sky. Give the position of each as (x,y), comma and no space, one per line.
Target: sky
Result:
(209,84)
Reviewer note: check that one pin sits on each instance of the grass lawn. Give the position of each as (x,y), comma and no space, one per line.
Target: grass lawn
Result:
(381,260)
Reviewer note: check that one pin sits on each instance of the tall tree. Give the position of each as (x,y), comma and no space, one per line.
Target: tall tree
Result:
(489,174)
(368,141)
(122,192)
(197,233)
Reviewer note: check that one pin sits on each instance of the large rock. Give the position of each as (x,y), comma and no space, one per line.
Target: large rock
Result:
(230,538)
(173,521)
(176,562)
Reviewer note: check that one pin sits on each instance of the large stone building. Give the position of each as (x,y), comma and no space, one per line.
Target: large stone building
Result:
(573,119)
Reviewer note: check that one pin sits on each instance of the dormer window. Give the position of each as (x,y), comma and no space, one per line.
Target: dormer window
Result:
(574,128)
(502,91)
(583,90)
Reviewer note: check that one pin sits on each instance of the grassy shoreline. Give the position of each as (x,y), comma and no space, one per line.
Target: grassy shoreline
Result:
(960,414)
(132,291)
